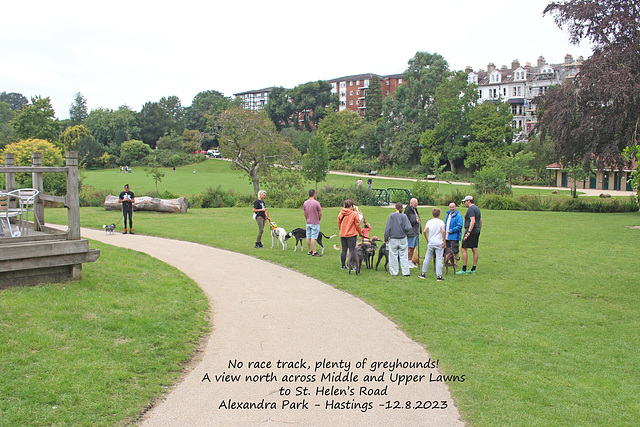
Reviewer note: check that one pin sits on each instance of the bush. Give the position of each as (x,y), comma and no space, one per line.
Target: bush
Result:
(425,193)
(90,196)
(170,158)
(491,180)
(499,202)
(217,198)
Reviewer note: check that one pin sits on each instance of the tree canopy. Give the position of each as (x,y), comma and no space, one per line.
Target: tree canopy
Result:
(250,140)
(37,121)
(596,116)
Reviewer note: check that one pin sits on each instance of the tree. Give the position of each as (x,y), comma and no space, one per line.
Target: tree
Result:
(7,132)
(37,121)
(515,165)
(154,122)
(204,108)
(132,151)
(191,140)
(455,99)
(312,101)
(71,137)
(597,115)
(249,139)
(155,173)
(491,133)
(279,108)
(630,153)
(111,128)
(78,111)
(414,99)
(15,100)
(298,138)
(542,149)
(339,130)
(54,183)
(173,108)
(316,161)
(373,100)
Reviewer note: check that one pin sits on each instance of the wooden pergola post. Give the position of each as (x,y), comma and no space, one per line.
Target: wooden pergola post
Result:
(73,205)
(37,183)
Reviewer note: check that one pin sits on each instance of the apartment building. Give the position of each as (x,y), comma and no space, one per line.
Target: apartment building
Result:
(519,86)
(352,90)
(254,100)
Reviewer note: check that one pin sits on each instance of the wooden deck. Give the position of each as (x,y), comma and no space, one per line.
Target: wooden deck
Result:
(44,254)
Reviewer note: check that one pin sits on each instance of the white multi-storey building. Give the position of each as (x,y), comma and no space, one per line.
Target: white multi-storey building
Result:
(520,85)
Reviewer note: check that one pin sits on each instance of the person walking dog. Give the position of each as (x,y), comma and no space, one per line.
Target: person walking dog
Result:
(127,199)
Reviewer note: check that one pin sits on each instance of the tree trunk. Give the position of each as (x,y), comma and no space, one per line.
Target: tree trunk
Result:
(145,203)
(453,168)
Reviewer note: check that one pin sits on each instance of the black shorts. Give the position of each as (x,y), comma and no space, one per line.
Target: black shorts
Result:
(471,242)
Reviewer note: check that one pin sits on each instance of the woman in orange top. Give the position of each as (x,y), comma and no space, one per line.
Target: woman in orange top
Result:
(349,225)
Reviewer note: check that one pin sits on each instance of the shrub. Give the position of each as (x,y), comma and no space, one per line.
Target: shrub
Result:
(491,180)
(217,198)
(90,196)
(499,202)
(425,193)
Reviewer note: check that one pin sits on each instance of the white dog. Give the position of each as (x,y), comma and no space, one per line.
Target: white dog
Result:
(278,234)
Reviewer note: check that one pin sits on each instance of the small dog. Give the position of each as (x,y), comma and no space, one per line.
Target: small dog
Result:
(383,252)
(355,259)
(278,234)
(109,229)
(301,234)
(449,260)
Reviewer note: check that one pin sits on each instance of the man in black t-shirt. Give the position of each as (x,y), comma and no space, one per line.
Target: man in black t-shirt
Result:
(127,199)
(472,225)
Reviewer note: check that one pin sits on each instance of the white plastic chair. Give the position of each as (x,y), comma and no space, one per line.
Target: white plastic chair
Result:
(26,198)
(7,212)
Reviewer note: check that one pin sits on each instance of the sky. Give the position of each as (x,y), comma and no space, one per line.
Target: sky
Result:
(132,52)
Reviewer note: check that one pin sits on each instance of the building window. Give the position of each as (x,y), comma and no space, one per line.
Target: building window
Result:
(351,83)
(399,81)
(387,93)
(480,93)
(350,93)
(343,84)
(357,102)
(387,82)
(357,92)
(357,82)
(504,91)
(351,102)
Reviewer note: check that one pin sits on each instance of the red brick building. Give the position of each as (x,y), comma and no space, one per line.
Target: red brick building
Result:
(352,90)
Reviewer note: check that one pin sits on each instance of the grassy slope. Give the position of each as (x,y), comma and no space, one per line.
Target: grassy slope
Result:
(543,332)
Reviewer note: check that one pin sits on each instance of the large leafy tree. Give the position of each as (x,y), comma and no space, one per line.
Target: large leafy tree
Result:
(373,99)
(312,101)
(204,108)
(414,99)
(7,132)
(279,108)
(15,100)
(111,128)
(78,112)
(154,122)
(173,108)
(37,121)
(597,115)
(339,131)
(455,99)
(491,134)
(250,140)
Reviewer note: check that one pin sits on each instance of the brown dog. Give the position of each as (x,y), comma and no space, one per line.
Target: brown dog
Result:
(449,260)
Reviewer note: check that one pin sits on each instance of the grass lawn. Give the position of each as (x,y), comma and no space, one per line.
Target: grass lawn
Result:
(214,172)
(96,352)
(545,332)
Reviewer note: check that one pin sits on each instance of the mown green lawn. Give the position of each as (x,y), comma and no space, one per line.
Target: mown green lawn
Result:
(215,172)
(544,332)
(99,351)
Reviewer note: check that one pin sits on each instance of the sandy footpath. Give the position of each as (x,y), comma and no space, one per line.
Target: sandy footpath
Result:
(318,356)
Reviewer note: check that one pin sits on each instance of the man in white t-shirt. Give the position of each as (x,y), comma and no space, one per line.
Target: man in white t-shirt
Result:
(434,233)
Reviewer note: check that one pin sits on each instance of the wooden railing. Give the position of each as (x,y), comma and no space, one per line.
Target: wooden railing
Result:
(72,198)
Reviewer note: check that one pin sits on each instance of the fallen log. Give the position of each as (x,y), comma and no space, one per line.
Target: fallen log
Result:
(146,203)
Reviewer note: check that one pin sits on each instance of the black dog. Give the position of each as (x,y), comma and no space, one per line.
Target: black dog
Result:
(369,250)
(109,229)
(383,252)
(301,234)
(355,259)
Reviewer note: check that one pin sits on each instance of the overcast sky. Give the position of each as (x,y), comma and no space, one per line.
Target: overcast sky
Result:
(131,52)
